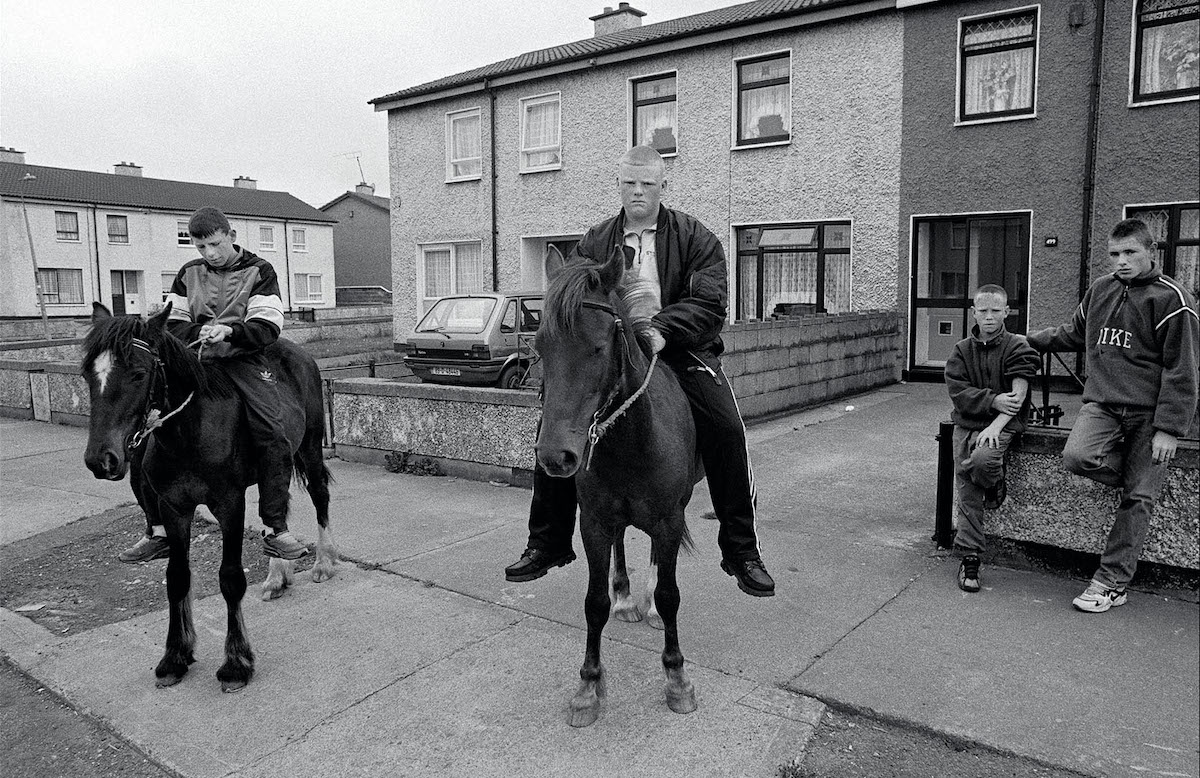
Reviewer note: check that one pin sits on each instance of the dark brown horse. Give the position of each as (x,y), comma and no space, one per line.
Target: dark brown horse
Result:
(623,428)
(139,377)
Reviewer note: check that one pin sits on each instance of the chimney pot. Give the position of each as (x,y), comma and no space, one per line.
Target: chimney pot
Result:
(365,189)
(10,154)
(245,182)
(127,169)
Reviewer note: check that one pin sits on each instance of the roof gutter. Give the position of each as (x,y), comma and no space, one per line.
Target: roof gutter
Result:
(637,51)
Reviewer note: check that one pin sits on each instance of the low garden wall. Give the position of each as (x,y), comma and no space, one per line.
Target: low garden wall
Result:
(1049,506)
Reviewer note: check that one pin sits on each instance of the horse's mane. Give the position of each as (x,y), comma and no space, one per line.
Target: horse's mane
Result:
(116,334)
(564,295)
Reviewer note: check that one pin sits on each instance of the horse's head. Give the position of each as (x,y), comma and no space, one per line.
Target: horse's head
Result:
(120,365)
(583,346)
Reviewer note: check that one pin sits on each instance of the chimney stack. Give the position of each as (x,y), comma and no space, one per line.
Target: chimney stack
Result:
(127,169)
(624,18)
(245,182)
(12,155)
(365,189)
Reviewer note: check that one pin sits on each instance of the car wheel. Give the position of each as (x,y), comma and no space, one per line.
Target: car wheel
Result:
(510,377)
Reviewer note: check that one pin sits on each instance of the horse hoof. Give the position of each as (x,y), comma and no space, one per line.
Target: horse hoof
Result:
(321,573)
(655,620)
(630,614)
(232,687)
(682,700)
(584,714)
(163,681)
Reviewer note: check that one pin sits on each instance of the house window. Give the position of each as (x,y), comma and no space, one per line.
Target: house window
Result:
(1176,231)
(464,162)
(764,112)
(168,279)
(655,122)
(183,237)
(266,238)
(299,239)
(66,224)
(307,288)
(997,66)
(455,268)
(793,269)
(118,229)
(1166,50)
(61,287)
(541,146)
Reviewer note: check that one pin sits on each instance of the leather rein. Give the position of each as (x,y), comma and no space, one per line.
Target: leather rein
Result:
(153,418)
(599,427)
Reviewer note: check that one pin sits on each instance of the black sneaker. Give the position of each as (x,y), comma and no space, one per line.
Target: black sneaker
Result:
(993,497)
(535,563)
(968,573)
(752,576)
(147,548)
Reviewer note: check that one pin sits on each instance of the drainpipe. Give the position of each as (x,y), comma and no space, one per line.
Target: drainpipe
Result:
(287,264)
(96,247)
(1089,166)
(487,87)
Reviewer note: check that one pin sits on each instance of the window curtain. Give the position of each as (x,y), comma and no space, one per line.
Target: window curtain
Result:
(747,291)
(1170,57)
(437,273)
(837,283)
(764,112)
(656,125)
(1001,81)
(468,270)
(541,131)
(789,278)
(464,146)
(67,225)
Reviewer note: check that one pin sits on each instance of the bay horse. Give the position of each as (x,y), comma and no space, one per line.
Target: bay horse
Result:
(176,423)
(624,430)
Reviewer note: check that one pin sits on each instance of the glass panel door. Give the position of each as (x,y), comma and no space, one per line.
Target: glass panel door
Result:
(953,256)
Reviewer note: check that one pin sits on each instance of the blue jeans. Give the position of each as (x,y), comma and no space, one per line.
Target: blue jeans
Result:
(1111,444)
(976,469)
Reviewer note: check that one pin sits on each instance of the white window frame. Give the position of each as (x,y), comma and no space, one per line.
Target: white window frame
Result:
(306,288)
(302,244)
(734,137)
(108,230)
(452,247)
(182,236)
(57,273)
(959,121)
(58,234)
(451,118)
(266,245)
(522,104)
(631,123)
(1135,70)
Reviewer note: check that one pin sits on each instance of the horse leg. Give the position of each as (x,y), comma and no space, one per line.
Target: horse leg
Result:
(181,630)
(585,705)
(312,462)
(235,673)
(681,695)
(623,608)
(653,618)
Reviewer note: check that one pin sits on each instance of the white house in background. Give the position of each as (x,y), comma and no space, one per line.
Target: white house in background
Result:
(119,238)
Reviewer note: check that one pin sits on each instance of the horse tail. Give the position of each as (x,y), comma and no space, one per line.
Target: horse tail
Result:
(300,470)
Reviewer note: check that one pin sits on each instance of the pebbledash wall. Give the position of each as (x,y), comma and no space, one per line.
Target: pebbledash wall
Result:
(843,161)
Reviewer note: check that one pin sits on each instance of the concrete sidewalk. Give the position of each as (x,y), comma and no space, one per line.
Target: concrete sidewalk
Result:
(422,660)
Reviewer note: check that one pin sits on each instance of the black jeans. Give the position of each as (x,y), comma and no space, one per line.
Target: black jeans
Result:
(256,382)
(721,440)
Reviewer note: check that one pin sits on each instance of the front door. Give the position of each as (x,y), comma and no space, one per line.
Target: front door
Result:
(126,292)
(953,256)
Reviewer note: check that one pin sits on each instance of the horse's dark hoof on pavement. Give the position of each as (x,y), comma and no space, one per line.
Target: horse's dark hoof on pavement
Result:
(163,681)
(232,687)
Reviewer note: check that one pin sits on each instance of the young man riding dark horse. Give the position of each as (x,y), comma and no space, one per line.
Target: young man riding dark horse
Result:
(229,301)
(677,287)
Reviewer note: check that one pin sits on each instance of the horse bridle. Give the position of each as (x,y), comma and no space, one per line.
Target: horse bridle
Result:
(152,418)
(598,428)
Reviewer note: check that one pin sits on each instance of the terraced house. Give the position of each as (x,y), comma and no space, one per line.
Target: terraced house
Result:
(119,238)
(852,156)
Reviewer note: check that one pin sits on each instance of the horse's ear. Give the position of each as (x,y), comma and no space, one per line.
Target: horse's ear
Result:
(554,261)
(158,321)
(100,313)
(613,271)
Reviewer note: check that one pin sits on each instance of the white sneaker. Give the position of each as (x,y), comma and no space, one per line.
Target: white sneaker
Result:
(1098,598)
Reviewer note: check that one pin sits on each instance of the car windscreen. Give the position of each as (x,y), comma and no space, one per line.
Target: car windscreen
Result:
(458,314)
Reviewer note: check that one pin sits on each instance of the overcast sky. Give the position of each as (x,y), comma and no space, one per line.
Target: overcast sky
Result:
(276,90)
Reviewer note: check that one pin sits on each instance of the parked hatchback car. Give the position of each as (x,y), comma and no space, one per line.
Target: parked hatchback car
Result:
(482,339)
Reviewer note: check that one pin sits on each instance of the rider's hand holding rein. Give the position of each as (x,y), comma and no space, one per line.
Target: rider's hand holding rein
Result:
(215,333)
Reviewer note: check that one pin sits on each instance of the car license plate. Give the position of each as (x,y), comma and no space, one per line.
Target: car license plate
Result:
(445,371)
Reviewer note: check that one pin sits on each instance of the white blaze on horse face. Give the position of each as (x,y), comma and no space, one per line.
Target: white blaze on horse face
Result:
(102,367)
